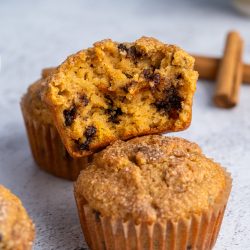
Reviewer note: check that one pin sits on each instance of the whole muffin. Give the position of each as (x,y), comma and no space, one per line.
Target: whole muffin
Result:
(152,192)
(45,142)
(16,228)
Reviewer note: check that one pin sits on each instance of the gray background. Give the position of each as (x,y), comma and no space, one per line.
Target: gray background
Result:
(37,34)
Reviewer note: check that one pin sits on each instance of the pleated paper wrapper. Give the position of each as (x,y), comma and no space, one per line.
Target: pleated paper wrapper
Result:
(198,232)
(48,150)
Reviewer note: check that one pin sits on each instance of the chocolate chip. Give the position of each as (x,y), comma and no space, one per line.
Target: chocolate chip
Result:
(109,100)
(69,115)
(174,98)
(147,73)
(122,47)
(125,88)
(156,78)
(84,145)
(134,53)
(150,76)
(178,76)
(189,247)
(89,134)
(84,100)
(1,237)
(114,114)
(171,104)
(128,75)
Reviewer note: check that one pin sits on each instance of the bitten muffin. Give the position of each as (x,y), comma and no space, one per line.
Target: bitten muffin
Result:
(152,192)
(16,228)
(45,142)
(121,90)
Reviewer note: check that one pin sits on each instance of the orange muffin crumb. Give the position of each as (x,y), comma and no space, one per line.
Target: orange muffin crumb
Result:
(121,90)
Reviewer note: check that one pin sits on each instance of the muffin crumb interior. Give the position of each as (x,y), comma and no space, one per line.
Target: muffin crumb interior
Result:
(122,90)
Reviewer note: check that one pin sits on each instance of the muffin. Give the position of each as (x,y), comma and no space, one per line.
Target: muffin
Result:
(45,143)
(16,228)
(152,192)
(121,90)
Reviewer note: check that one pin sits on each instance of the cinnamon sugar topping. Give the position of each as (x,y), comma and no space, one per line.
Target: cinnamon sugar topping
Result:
(151,177)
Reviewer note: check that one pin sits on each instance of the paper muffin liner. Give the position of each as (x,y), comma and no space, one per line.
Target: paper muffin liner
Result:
(198,232)
(49,152)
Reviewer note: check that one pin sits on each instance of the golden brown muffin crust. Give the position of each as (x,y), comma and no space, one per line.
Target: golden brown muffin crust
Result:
(32,103)
(151,177)
(16,228)
(34,106)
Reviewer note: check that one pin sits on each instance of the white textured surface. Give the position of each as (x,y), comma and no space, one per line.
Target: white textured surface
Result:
(37,34)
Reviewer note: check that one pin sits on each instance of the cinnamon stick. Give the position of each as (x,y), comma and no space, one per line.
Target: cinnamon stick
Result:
(246,73)
(208,68)
(229,75)
(238,76)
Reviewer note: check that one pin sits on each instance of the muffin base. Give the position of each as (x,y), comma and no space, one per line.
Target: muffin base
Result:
(48,150)
(198,232)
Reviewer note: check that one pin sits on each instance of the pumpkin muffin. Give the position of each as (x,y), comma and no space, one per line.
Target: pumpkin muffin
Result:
(152,192)
(121,90)
(45,142)
(16,228)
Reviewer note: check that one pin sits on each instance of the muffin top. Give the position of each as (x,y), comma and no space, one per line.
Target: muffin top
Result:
(151,177)
(31,102)
(16,228)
